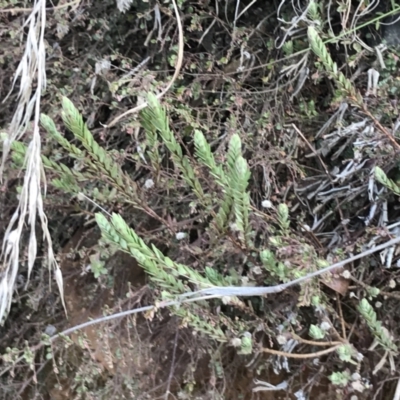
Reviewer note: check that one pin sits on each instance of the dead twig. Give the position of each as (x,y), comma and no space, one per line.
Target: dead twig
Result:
(301,356)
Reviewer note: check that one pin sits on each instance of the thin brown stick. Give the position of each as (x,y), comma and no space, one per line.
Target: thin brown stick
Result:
(381,292)
(341,317)
(315,343)
(381,128)
(301,356)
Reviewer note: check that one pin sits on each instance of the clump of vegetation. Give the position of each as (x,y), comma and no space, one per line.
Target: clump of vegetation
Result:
(197,159)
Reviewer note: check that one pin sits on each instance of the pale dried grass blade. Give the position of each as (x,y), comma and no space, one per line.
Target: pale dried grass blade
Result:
(60,284)
(31,72)
(123,5)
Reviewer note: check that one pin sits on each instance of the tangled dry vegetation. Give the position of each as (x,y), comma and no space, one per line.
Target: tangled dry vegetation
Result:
(196,154)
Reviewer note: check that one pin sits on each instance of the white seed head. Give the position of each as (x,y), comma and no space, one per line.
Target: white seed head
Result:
(234,227)
(306,228)
(346,274)
(180,235)
(281,339)
(50,330)
(149,184)
(267,204)
(325,326)
(356,376)
(257,270)
(236,342)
